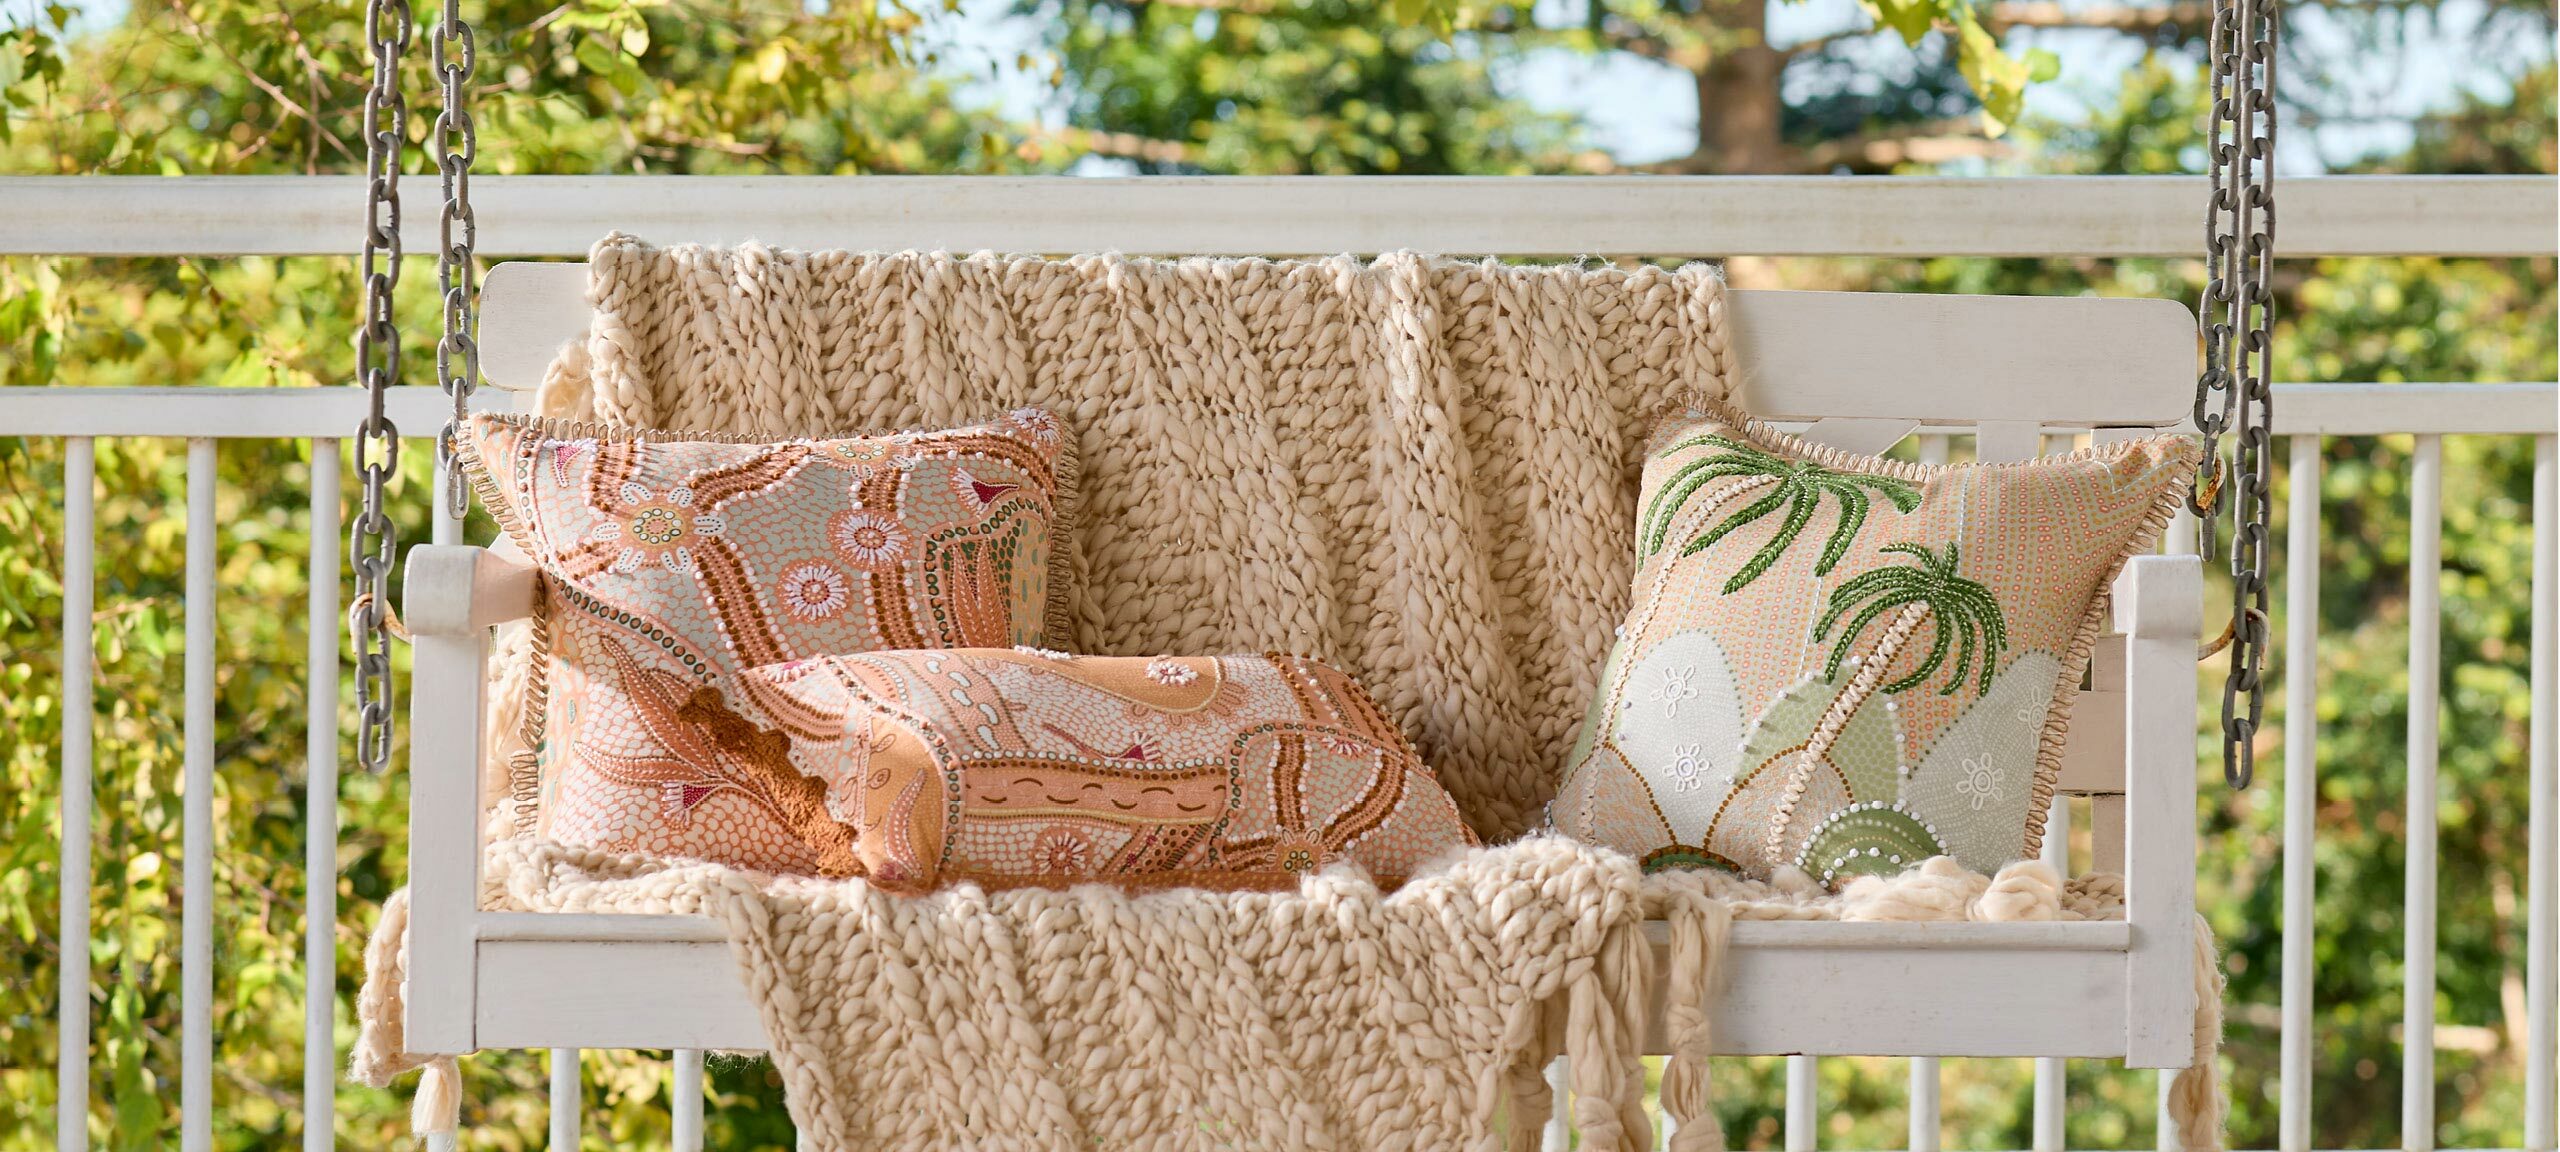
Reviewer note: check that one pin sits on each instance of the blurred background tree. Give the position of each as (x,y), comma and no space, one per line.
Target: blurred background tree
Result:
(1227,86)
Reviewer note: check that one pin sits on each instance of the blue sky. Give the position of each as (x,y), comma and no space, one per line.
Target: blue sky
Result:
(1639,111)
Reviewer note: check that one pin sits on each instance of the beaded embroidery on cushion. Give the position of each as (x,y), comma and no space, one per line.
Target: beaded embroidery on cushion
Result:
(1030,766)
(671,563)
(1850,664)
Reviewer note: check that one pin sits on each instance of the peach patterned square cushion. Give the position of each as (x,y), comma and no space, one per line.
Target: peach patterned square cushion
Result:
(1026,766)
(1848,663)
(671,563)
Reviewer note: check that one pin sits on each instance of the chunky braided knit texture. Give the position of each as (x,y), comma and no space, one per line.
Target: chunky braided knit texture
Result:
(1336,1016)
(1418,471)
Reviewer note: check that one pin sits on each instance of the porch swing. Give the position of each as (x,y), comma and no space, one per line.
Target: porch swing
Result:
(2008,371)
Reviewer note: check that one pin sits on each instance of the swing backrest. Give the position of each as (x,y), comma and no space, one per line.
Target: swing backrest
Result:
(2019,375)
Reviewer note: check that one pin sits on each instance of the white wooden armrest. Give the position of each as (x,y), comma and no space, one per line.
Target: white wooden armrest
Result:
(2159,603)
(457,589)
(454,595)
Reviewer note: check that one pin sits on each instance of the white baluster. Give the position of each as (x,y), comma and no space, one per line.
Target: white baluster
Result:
(79,608)
(195,1007)
(1804,1104)
(686,1101)
(2301,786)
(320,836)
(568,1096)
(2542,920)
(2418,966)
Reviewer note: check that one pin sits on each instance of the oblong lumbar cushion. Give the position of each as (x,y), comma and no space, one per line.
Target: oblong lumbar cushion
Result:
(672,562)
(1847,663)
(1015,766)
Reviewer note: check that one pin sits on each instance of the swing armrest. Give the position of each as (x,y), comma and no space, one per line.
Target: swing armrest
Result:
(454,595)
(2159,604)
(457,589)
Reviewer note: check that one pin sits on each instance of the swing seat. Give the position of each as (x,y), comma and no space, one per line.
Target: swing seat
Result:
(1857,370)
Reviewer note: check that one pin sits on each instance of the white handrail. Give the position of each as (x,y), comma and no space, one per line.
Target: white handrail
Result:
(2062,216)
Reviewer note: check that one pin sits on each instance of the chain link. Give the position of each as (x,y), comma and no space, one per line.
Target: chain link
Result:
(373,542)
(457,144)
(2237,311)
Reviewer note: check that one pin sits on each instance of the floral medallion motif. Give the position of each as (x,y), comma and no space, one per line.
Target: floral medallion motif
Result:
(872,541)
(654,529)
(814,590)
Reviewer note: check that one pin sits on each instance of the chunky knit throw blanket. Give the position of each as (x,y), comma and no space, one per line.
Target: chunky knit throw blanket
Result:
(1420,471)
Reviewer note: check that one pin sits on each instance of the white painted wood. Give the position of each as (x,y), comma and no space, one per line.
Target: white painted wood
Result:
(2073,216)
(1950,360)
(224,413)
(195,992)
(568,1098)
(2024,989)
(1557,1136)
(491,588)
(1926,1123)
(2158,602)
(2542,917)
(2385,409)
(2164,1126)
(444,796)
(2418,965)
(2106,833)
(1804,1104)
(528,312)
(2046,1132)
(2301,787)
(684,1100)
(1866,437)
(320,828)
(79,712)
(2008,441)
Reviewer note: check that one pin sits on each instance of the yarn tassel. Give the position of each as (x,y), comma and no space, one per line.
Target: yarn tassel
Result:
(1604,1023)
(1700,928)
(437,1111)
(2196,1105)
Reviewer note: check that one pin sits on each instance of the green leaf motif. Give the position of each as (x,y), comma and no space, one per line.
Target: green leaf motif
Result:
(1798,486)
(1966,614)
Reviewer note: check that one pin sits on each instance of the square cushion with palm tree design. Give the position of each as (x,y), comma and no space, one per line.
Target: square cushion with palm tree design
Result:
(1850,664)
(672,563)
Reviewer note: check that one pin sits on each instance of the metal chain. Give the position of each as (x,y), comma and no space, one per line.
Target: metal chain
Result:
(373,543)
(2232,397)
(457,143)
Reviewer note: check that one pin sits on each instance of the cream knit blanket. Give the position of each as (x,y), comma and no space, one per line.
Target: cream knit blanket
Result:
(1419,471)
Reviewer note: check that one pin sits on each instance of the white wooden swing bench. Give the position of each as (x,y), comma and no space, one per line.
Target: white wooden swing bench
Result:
(1862,370)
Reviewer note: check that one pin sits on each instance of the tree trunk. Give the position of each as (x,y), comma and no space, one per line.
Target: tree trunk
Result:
(1835,717)
(1739,108)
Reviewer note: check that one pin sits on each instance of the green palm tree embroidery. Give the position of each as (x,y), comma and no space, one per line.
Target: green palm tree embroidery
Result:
(1967,617)
(1798,485)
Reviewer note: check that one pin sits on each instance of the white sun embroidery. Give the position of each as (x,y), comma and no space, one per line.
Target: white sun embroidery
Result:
(1685,761)
(1678,684)
(1981,781)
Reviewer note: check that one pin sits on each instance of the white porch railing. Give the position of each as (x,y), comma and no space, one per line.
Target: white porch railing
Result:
(538,216)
